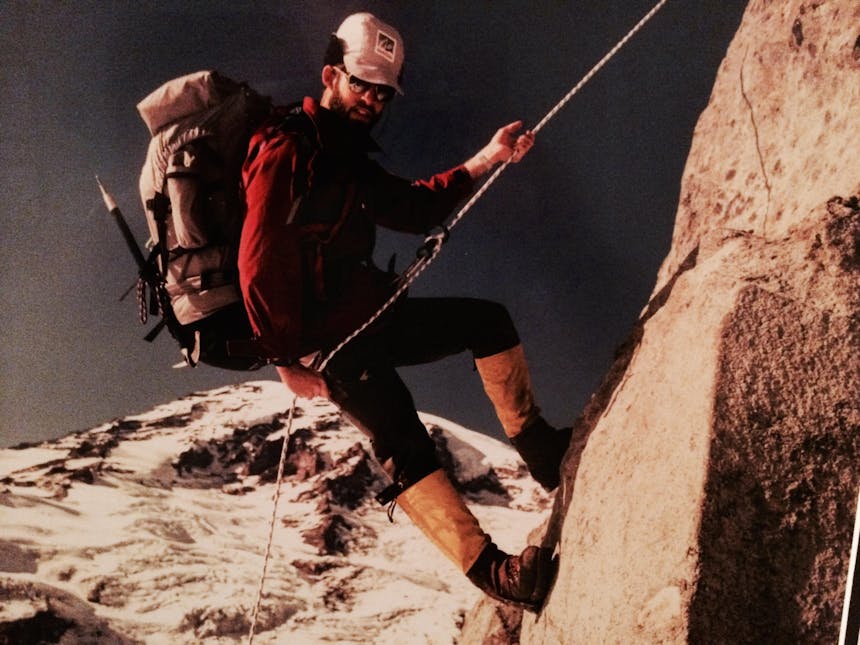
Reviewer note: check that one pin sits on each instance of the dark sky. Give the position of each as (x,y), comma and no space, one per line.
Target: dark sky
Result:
(570,239)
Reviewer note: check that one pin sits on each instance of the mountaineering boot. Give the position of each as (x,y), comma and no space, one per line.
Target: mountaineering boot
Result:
(508,385)
(435,507)
(542,448)
(523,580)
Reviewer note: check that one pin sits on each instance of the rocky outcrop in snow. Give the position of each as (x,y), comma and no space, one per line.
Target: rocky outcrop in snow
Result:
(152,529)
(714,499)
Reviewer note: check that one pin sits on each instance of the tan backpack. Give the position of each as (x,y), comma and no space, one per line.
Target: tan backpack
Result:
(190,186)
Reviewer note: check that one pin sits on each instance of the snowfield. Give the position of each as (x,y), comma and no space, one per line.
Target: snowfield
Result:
(152,529)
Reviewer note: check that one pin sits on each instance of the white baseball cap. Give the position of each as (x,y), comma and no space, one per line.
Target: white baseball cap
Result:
(372,50)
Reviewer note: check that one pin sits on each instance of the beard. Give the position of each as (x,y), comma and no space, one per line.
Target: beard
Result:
(362,118)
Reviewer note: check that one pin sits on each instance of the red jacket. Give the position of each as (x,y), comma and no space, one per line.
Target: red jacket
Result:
(303,291)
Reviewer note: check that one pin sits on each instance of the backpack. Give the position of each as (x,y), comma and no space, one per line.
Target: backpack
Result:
(190,186)
(191,189)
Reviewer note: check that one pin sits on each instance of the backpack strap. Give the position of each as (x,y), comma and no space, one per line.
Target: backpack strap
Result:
(298,123)
(153,276)
(325,236)
(160,207)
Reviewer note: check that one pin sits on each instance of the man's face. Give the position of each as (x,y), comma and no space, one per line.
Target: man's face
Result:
(359,107)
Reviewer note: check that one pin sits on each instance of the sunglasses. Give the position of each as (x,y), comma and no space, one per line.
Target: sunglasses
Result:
(382,93)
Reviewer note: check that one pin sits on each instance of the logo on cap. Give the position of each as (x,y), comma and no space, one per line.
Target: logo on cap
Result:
(386,46)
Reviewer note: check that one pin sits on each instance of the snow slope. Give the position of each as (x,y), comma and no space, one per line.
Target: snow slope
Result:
(152,529)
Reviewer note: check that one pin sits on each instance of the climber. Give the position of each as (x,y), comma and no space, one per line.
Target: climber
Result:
(308,280)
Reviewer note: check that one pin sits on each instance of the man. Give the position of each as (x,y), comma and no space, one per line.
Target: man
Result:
(308,280)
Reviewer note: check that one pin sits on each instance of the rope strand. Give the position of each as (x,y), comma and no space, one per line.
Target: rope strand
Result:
(276,498)
(599,65)
(417,268)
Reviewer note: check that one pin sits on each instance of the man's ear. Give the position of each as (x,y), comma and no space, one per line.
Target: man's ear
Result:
(329,77)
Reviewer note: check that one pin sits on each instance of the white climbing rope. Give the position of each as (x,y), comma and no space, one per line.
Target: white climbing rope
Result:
(599,65)
(276,497)
(431,249)
(417,267)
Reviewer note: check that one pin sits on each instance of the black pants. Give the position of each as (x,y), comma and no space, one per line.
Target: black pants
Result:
(365,385)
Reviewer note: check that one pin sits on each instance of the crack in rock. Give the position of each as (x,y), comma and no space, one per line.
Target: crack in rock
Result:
(757,144)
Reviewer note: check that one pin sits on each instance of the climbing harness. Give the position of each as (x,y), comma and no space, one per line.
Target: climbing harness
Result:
(426,254)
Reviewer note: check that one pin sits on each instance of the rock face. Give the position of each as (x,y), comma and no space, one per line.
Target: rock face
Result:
(713,499)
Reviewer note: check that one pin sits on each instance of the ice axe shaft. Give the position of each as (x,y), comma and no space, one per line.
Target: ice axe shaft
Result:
(130,240)
(146,271)
(149,273)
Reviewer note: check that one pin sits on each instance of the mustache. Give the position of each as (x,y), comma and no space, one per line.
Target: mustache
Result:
(367,116)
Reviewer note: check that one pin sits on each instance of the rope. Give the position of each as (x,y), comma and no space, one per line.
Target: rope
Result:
(428,252)
(599,65)
(276,498)
(417,267)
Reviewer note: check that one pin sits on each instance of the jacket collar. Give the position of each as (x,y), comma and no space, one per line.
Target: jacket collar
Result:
(335,133)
